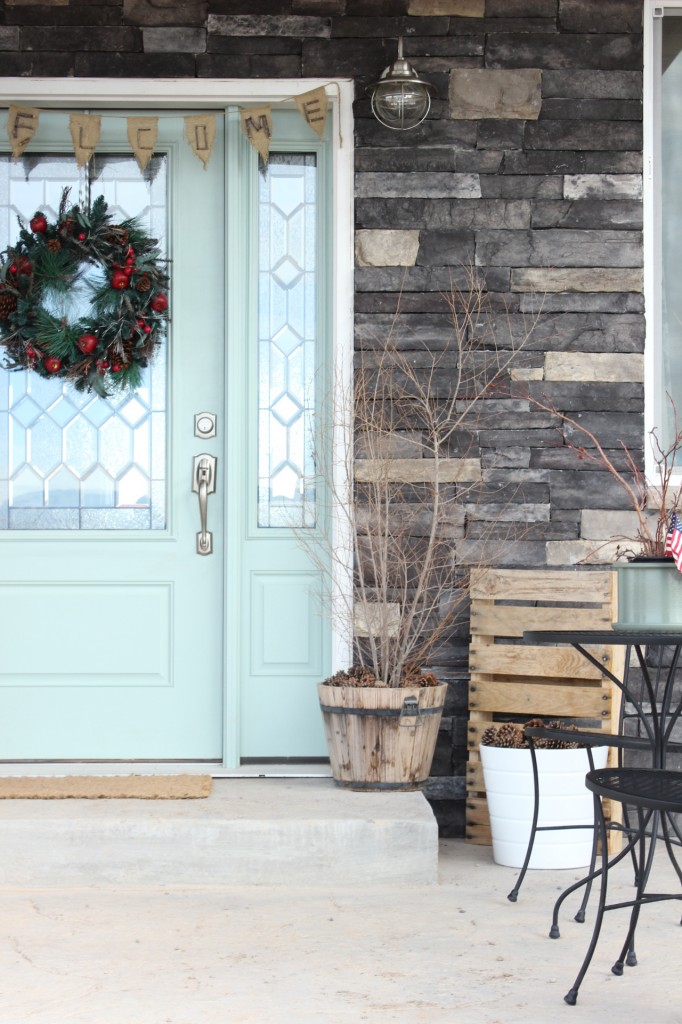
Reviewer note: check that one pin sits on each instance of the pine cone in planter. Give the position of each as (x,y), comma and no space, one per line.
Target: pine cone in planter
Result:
(509,735)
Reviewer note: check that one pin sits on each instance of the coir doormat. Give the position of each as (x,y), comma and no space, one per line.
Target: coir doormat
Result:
(106,787)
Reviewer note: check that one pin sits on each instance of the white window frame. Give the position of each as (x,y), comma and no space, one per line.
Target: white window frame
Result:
(651,185)
(77,93)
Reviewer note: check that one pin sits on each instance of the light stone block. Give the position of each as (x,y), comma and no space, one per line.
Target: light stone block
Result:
(602,186)
(456,8)
(527,373)
(601,367)
(574,552)
(599,524)
(576,279)
(371,620)
(416,471)
(386,248)
(477,93)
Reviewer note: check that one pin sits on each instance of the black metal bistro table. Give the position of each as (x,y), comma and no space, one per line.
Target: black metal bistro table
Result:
(656,711)
(653,700)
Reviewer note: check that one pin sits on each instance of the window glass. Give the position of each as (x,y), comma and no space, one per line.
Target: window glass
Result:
(287,340)
(71,460)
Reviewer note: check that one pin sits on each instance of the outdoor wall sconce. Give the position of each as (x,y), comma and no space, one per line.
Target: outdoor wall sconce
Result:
(401,99)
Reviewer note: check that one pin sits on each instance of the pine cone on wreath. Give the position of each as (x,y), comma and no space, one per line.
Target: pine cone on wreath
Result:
(143,283)
(116,235)
(8,303)
(54,245)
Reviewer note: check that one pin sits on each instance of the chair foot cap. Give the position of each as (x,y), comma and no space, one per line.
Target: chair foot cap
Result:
(571,997)
(554,932)
(631,958)
(513,895)
(580,917)
(617,968)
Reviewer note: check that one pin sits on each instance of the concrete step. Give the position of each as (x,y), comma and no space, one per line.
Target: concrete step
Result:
(298,832)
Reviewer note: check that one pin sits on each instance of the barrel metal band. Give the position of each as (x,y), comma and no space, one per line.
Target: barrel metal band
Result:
(410,712)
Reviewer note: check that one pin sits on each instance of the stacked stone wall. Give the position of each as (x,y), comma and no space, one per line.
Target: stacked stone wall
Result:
(528,168)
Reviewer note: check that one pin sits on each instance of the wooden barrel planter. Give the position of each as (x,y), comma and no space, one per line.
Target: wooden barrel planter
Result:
(380,737)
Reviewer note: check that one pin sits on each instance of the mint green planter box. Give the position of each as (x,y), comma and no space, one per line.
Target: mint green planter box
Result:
(649,596)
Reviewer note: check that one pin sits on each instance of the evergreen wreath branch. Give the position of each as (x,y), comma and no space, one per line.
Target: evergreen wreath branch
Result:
(106,349)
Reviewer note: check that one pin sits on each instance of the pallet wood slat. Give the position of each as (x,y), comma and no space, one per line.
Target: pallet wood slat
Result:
(564,585)
(511,620)
(528,661)
(511,680)
(536,698)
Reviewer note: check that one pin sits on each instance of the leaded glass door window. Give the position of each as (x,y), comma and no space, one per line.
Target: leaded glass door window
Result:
(287,342)
(70,460)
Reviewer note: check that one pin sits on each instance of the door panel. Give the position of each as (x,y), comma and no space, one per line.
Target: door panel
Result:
(111,623)
(279,379)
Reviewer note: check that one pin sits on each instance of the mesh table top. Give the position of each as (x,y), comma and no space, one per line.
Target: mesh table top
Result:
(602,636)
(655,788)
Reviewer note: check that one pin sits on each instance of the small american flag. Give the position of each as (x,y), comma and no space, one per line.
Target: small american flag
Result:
(673,540)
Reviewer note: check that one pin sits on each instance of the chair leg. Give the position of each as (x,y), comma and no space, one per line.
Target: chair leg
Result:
(513,895)
(580,916)
(627,953)
(588,879)
(571,996)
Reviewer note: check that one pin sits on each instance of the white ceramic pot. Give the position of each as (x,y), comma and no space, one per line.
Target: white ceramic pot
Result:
(564,800)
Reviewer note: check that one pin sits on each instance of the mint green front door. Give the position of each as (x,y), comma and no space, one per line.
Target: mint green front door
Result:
(111,624)
(118,640)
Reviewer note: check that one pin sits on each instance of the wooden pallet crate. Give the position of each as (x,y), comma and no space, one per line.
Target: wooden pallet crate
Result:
(510,680)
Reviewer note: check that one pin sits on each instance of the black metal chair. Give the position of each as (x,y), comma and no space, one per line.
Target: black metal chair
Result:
(590,740)
(656,793)
(653,739)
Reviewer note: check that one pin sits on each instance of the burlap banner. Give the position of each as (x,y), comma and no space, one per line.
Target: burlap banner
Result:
(313,106)
(85,131)
(142,133)
(200,132)
(257,126)
(200,129)
(22,124)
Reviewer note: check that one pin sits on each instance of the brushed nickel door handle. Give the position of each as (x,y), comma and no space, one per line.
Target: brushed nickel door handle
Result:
(203,484)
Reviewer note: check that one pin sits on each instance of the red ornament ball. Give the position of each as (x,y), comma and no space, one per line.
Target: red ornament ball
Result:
(87,343)
(30,352)
(116,368)
(120,280)
(38,224)
(159,303)
(81,236)
(52,364)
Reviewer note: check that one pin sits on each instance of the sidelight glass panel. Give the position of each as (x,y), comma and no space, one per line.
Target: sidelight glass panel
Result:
(287,332)
(71,460)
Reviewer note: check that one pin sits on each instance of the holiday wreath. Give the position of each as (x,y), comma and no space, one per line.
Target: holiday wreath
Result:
(125,281)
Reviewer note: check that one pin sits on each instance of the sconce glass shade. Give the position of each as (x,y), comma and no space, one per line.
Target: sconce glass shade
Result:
(401,99)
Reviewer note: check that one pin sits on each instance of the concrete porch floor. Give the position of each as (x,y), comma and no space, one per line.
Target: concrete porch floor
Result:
(451,952)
